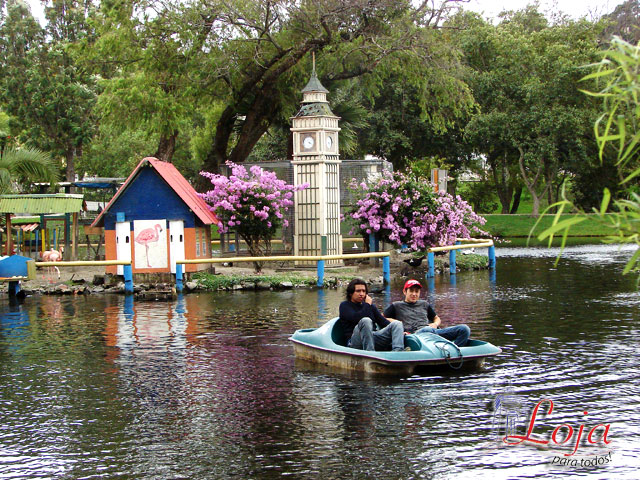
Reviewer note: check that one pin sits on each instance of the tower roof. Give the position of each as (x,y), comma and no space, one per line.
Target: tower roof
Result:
(314,85)
(315,110)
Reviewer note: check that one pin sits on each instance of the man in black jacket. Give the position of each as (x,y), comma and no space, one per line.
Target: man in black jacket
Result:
(357,315)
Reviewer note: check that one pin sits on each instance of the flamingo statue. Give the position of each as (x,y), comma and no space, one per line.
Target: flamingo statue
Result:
(147,236)
(53,255)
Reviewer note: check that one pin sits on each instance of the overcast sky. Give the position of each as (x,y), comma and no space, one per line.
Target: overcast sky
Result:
(574,8)
(491,8)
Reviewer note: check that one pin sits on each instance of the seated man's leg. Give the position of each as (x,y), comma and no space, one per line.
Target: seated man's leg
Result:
(425,329)
(391,336)
(458,334)
(362,337)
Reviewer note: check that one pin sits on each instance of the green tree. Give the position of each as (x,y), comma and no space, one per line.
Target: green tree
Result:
(42,86)
(151,68)
(532,122)
(234,69)
(401,122)
(618,130)
(624,22)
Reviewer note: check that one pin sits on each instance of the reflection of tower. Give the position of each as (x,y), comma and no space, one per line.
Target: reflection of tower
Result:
(316,161)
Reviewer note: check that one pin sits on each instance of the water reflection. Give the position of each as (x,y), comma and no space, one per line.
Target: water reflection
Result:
(207,386)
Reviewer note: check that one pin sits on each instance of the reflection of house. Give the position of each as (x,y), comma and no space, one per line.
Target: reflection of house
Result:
(154,219)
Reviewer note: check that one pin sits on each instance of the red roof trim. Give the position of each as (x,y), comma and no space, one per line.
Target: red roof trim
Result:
(170,174)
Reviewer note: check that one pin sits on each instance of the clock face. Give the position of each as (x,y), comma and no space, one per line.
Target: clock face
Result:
(329,142)
(308,141)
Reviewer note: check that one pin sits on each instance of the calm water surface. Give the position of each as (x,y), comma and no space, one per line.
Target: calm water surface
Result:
(208,387)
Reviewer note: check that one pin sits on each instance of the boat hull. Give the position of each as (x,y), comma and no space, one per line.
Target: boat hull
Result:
(428,352)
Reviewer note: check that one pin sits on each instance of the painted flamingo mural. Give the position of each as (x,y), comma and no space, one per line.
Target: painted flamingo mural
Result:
(147,236)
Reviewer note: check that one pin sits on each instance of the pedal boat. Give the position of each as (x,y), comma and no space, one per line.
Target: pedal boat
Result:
(326,345)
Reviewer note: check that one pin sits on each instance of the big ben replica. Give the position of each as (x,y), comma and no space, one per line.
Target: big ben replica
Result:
(316,161)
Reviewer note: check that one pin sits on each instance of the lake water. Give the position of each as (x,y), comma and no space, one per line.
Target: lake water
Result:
(207,386)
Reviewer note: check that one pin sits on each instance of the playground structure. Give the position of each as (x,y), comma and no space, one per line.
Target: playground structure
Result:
(15,269)
(36,235)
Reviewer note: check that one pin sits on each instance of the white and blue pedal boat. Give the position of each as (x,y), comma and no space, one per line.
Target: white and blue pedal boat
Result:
(325,345)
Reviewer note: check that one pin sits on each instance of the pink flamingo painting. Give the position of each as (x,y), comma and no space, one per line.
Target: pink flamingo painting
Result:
(147,236)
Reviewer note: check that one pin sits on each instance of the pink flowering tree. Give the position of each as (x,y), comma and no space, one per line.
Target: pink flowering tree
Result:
(253,203)
(405,210)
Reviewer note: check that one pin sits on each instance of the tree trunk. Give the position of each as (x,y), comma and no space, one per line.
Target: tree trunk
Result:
(530,183)
(256,123)
(257,249)
(517,194)
(70,167)
(257,98)
(166,147)
(502,182)
(218,153)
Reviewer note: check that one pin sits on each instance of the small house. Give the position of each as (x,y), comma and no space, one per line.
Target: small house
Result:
(155,219)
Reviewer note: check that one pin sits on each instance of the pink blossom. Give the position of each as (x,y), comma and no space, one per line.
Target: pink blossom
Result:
(407,211)
(252,202)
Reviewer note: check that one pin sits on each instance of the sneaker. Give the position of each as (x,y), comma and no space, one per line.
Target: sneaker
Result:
(407,349)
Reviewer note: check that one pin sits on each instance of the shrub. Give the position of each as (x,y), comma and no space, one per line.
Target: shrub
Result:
(404,210)
(253,203)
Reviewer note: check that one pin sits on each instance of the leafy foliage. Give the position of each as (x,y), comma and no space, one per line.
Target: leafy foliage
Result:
(532,124)
(618,128)
(42,84)
(19,167)
(227,282)
(22,166)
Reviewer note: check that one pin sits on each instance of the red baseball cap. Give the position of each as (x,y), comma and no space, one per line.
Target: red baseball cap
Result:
(412,283)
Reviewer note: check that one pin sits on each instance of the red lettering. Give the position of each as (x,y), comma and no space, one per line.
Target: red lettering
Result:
(575,449)
(604,436)
(528,437)
(557,429)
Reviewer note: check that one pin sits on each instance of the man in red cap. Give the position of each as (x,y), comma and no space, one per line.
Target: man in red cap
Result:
(414,313)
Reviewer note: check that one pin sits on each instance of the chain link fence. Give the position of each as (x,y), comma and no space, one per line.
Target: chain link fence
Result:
(360,170)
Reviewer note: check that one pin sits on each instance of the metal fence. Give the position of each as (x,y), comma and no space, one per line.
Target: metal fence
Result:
(360,170)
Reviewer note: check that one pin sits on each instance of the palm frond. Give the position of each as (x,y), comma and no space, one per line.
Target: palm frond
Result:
(27,163)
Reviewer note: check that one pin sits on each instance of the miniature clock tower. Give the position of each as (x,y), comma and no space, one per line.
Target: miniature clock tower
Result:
(316,161)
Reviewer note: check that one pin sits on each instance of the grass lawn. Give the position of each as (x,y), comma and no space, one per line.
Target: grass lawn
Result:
(521,225)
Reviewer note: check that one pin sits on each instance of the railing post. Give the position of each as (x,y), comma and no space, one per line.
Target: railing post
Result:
(492,256)
(323,251)
(128,278)
(452,262)
(320,273)
(13,288)
(179,286)
(374,245)
(431,264)
(386,270)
